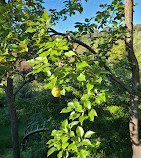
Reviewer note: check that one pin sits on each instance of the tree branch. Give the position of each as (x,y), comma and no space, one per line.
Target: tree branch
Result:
(22,85)
(94,52)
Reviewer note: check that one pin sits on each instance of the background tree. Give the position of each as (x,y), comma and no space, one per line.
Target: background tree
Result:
(134,96)
(13,51)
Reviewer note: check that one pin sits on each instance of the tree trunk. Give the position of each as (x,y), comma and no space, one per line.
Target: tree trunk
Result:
(133,127)
(13,118)
(134,97)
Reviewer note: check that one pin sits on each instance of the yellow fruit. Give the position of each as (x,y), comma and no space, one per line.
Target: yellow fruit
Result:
(56,92)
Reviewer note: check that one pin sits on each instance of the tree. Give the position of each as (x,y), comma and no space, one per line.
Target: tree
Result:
(134,96)
(13,52)
(108,38)
(84,72)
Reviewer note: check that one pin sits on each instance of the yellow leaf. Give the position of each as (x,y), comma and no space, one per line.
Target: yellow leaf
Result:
(110,39)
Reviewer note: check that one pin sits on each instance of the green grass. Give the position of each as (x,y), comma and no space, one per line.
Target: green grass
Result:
(5,137)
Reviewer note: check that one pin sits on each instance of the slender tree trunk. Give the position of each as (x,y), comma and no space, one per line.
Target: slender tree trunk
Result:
(13,118)
(134,97)
(133,127)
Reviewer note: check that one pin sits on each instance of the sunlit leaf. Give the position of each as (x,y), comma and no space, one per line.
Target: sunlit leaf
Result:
(81,65)
(79,131)
(89,134)
(70,53)
(50,151)
(81,77)
(87,104)
(30,30)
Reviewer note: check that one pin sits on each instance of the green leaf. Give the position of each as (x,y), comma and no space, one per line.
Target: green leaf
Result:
(71,104)
(91,114)
(72,134)
(97,144)
(73,123)
(82,118)
(59,155)
(81,65)
(57,145)
(53,55)
(65,124)
(81,77)
(79,108)
(64,138)
(73,147)
(13,46)
(85,97)
(51,142)
(54,132)
(66,110)
(30,30)
(49,45)
(99,80)
(46,17)
(79,131)
(114,23)
(74,115)
(87,105)
(76,104)
(86,142)
(95,91)
(70,53)
(64,145)
(66,154)
(89,134)
(50,151)
(100,98)
(63,48)
(44,54)
(139,106)
(89,86)
(84,153)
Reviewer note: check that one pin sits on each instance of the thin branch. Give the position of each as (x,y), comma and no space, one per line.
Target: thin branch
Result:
(94,52)
(74,40)
(22,85)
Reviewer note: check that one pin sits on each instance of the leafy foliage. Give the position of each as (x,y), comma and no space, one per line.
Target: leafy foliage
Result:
(55,63)
(80,73)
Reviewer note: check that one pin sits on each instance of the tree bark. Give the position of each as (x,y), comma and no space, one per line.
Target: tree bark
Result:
(13,118)
(134,97)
